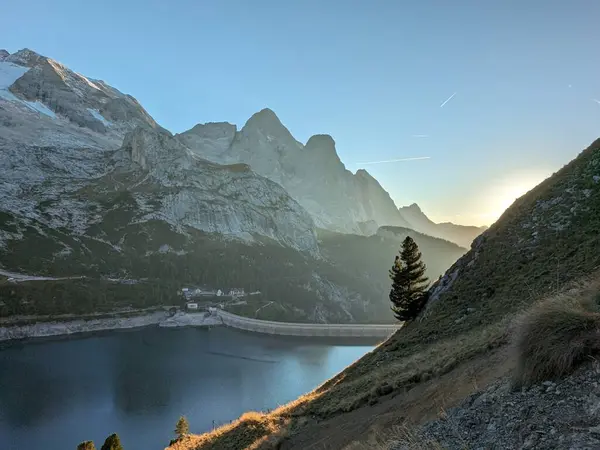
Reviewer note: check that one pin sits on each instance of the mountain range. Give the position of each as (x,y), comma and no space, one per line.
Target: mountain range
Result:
(91,185)
(313,174)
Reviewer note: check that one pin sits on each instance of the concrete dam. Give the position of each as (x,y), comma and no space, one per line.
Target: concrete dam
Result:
(303,329)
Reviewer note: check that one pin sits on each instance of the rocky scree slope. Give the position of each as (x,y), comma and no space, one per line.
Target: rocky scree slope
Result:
(549,415)
(460,234)
(313,174)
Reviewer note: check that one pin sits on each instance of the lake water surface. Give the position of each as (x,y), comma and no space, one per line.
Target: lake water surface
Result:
(55,394)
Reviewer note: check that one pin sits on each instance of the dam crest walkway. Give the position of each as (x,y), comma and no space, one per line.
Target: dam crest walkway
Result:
(304,329)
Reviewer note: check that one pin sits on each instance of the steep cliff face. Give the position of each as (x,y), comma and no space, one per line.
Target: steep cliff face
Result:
(313,174)
(230,200)
(376,201)
(214,139)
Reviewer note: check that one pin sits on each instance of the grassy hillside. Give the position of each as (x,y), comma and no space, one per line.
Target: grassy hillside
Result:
(546,242)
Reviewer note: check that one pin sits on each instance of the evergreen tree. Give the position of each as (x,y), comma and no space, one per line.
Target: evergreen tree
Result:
(409,284)
(86,445)
(112,443)
(182,428)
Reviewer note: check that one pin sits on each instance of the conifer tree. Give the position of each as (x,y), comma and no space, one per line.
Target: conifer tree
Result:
(182,428)
(409,283)
(112,443)
(86,445)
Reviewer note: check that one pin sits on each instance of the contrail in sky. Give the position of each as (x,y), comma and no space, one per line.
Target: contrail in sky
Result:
(420,135)
(447,100)
(418,158)
(597,101)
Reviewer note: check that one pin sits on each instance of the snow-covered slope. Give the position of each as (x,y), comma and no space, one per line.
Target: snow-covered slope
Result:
(313,173)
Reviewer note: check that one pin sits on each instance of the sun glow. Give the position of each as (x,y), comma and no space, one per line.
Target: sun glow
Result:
(502,195)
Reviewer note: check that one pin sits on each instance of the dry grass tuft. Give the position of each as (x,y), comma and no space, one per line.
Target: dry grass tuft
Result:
(403,437)
(556,335)
(252,431)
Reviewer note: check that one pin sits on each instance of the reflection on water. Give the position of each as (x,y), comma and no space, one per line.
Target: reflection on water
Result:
(55,394)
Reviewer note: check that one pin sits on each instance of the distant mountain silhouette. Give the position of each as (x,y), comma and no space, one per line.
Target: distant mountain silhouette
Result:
(459,234)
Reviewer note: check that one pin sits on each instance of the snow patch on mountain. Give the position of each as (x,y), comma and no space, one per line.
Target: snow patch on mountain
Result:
(9,73)
(99,117)
(41,108)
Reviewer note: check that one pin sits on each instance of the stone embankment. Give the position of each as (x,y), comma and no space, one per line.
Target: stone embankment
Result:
(76,326)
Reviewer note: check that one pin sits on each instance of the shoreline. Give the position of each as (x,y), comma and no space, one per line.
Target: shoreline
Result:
(49,329)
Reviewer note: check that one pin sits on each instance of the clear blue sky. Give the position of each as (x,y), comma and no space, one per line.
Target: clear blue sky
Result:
(370,73)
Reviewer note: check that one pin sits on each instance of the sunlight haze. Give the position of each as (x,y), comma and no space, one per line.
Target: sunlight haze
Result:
(519,79)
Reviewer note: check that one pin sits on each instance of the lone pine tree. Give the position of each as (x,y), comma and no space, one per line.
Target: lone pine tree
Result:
(409,283)
(112,443)
(182,428)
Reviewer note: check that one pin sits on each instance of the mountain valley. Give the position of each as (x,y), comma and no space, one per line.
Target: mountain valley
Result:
(92,186)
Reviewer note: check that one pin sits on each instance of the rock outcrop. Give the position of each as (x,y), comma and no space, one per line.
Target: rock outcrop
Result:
(229,200)
(550,415)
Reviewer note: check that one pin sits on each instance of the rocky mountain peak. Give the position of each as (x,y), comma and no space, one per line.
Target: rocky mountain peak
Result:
(320,141)
(459,234)
(267,124)
(313,173)
(3,54)
(25,57)
(414,207)
(323,146)
(212,129)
